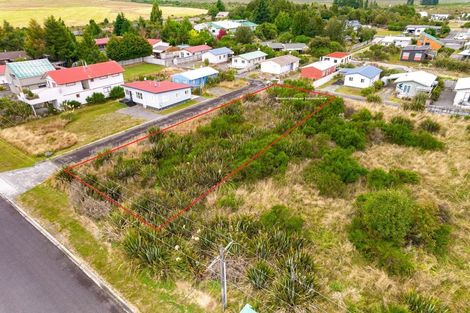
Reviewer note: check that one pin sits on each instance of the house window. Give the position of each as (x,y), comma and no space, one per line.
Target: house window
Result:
(362,80)
(418,56)
(77,95)
(186,92)
(351,78)
(103,77)
(128,92)
(70,84)
(405,55)
(107,89)
(139,95)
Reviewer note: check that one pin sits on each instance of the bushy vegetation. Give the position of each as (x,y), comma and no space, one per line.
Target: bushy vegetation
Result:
(96,98)
(116,92)
(13,112)
(379,53)
(387,221)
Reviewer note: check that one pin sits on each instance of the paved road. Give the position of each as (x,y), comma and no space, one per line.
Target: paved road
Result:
(35,277)
(126,136)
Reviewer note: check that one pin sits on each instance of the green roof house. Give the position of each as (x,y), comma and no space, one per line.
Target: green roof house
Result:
(27,74)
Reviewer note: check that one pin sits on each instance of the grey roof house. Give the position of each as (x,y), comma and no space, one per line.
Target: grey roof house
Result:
(27,74)
(11,56)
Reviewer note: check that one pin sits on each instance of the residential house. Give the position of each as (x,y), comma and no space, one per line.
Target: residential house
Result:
(156,95)
(12,56)
(248,60)
(426,39)
(222,15)
(463,55)
(194,51)
(77,83)
(337,57)
(229,26)
(27,74)
(410,84)
(415,53)
(416,30)
(164,54)
(423,14)
(280,65)
(3,79)
(354,24)
(195,78)
(398,41)
(318,70)
(219,55)
(361,77)
(439,17)
(462,89)
(288,47)
(102,42)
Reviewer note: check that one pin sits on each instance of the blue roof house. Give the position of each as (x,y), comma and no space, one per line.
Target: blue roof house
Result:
(195,78)
(361,77)
(219,55)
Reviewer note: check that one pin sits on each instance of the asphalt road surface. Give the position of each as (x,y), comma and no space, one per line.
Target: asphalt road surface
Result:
(121,138)
(36,277)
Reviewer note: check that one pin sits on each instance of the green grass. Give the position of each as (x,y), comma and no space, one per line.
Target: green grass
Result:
(52,208)
(386,32)
(349,90)
(12,158)
(132,72)
(177,107)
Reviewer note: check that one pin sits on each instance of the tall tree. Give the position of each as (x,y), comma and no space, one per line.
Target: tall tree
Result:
(121,25)
(261,12)
(220,5)
(130,46)
(93,29)
(60,42)
(11,38)
(283,21)
(244,35)
(156,16)
(35,42)
(334,29)
(88,51)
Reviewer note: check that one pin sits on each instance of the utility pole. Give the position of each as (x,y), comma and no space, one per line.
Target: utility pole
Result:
(223,277)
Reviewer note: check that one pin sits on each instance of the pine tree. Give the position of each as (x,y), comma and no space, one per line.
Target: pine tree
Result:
(121,25)
(156,16)
(88,51)
(60,42)
(35,44)
(261,12)
(220,5)
(93,29)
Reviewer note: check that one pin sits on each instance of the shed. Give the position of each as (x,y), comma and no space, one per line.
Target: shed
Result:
(280,65)
(195,78)
(318,69)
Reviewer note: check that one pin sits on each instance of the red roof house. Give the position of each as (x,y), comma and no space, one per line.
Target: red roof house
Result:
(102,42)
(3,79)
(2,69)
(153,41)
(318,69)
(80,73)
(198,49)
(337,57)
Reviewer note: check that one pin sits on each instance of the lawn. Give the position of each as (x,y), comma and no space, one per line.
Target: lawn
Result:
(132,72)
(52,209)
(349,90)
(386,32)
(177,107)
(13,158)
(69,130)
(75,12)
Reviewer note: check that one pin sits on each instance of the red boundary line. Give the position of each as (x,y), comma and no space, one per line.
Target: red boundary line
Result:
(235,171)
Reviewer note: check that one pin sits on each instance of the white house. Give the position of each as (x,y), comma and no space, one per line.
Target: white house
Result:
(410,84)
(280,65)
(361,77)
(77,83)
(219,55)
(157,95)
(27,74)
(416,30)
(462,89)
(194,51)
(228,26)
(398,41)
(423,14)
(3,79)
(248,60)
(439,17)
(337,57)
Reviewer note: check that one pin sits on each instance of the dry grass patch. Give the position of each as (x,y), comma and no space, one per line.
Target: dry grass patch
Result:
(37,140)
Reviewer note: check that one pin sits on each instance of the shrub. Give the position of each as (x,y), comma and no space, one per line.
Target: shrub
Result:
(379,179)
(281,216)
(260,275)
(116,93)
(71,105)
(378,84)
(375,98)
(418,103)
(340,162)
(367,91)
(154,134)
(430,126)
(362,115)
(421,304)
(230,201)
(400,120)
(348,137)
(96,98)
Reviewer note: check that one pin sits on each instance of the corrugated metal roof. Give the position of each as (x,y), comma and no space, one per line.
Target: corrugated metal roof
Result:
(462,83)
(420,77)
(284,59)
(198,73)
(252,55)
(220,51)
(32,68)
(368,71)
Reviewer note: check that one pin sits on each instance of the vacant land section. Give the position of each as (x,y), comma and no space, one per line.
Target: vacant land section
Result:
(76,12)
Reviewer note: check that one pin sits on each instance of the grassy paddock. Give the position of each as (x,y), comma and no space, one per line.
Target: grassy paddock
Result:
(68,130)
(349,90)
(75,12)
(132,72)
(52,208)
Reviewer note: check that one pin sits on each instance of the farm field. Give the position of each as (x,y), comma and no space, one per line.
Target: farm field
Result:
(68,130)
(76,12)
(156,177)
